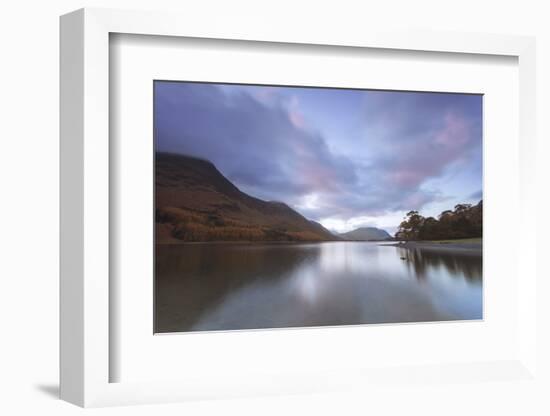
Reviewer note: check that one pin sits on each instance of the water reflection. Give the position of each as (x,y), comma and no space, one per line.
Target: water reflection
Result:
(458,264)
(242,286)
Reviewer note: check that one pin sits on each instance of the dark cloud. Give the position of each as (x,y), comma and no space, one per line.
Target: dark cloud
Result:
(255,145)
(266,148)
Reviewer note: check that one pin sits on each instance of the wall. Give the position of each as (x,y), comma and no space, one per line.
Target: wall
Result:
(29,208)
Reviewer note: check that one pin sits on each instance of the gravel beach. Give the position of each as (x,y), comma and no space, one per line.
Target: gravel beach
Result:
(459,248)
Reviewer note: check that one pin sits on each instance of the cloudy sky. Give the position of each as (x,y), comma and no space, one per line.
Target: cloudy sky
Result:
(345,158)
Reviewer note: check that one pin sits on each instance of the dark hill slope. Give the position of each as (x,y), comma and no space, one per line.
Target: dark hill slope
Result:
(195,202)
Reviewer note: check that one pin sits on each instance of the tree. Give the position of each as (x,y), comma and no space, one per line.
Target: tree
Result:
(465,221)
(409,229)
(429,230)
(461,209)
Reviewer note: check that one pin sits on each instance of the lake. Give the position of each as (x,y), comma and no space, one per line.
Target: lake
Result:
(218,286)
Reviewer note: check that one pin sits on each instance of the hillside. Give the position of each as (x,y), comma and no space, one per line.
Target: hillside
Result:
(195,202)
(366,234)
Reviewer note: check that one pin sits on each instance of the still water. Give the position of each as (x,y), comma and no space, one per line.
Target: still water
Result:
(204,287)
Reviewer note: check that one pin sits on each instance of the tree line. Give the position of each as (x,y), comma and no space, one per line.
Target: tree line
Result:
(188,225)
(465,221)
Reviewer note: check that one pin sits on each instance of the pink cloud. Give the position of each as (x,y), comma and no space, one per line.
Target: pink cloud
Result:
(455,134)
(297,119)
(414,162)
(294,114)
(406,178)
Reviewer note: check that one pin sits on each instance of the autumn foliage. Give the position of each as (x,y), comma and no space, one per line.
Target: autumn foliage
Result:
(194,226)
(195,202)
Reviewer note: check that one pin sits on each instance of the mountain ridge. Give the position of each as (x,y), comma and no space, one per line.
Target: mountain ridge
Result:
(366,234)
(194,201)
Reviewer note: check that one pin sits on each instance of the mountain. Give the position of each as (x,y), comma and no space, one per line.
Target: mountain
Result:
(366,234)
(195,202)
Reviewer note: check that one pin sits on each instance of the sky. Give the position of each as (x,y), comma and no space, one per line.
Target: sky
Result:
(345,158)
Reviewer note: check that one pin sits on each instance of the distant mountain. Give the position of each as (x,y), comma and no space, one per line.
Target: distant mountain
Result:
(195,202)
(366,234)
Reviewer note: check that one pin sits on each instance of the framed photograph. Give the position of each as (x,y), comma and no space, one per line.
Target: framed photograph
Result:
(282,207)
(248,210)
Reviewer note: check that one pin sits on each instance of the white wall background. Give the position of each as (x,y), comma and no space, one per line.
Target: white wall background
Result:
(29,200)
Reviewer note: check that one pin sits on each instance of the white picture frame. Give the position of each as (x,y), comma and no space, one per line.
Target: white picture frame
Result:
(85,211)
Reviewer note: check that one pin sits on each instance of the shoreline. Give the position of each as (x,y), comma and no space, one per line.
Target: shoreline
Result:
(462,248)
(468,248)
(243,242)
(182,242)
